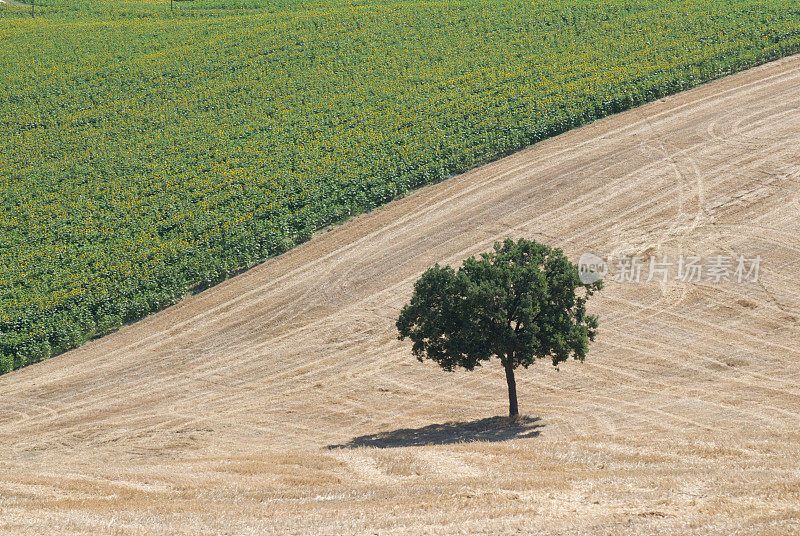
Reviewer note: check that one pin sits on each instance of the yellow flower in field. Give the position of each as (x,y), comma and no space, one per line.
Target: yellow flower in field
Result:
(150,150)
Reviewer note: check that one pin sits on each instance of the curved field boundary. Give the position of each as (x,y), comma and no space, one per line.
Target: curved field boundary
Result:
(100,233)
(280,401)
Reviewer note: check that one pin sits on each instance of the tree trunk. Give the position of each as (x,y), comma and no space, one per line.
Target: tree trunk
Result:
(512,391)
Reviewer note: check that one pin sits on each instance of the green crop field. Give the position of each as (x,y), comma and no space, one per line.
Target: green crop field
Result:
(145,154)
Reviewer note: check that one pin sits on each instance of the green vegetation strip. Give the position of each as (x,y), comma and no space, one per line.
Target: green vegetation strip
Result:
(144,154)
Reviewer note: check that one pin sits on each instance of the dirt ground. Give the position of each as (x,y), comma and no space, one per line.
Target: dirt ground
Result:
(280,402)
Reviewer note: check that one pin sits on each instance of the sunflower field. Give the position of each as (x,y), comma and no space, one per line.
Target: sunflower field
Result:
(146,153)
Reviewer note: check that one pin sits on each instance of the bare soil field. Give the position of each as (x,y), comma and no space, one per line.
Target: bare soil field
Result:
(280,402)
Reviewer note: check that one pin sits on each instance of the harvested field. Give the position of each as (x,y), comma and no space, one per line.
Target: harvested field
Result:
(281,402)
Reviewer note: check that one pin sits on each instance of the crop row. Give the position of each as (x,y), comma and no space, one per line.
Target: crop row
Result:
(143,157)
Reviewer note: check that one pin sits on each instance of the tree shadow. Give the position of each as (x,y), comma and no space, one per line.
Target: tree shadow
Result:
(492,429)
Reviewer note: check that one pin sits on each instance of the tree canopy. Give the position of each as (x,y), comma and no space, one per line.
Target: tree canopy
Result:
(521,302)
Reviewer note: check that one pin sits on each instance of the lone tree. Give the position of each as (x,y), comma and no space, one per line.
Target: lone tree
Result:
(521,302)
